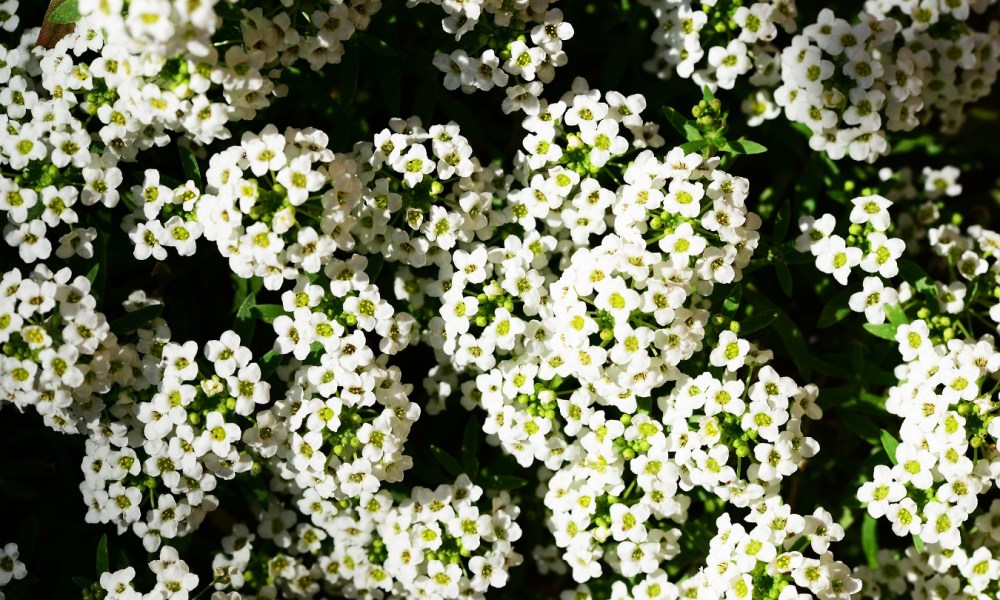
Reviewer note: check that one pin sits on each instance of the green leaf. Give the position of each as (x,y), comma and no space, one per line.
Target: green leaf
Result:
(676,119)
(781,223)
(268,312)
(706,94)
(886,331)
(784,278)
(890,444)
(447,461)
(269,363)
(869,540)
(860,424)
(470,445)
(378,46)
(918,543)
(350,67)
(92,273)
(836,309)
(691,133)
(136,319)
(390,81)
(503,482)
(745,147)
(189,163)
(245,323)
(102,563)
(757,321)
(910,271)
(732,302)
(67,13)
(82,582)
(375,264)
(694,146)
(897,316)
(829,368)
(790,334)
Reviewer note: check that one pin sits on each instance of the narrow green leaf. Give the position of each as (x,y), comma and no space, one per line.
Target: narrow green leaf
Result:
(886,331)
(869,540)
(470,445)
(268,312)
(745,147)
(378,46)
(829,368)
(68,12)
(732,302)
(82,582)
(92,273)
(503,482)
(101,562)
(784,278)
(757,321)
(245,310)
(375,264)
(897,316)
(269,363)
(676,119)
(245,323)
(890,443)
(781,223)
(706,94)
(350,66)
(390,80)
(910,271)
(694,146)
(789,332)
(691,133)
(925,285)
(189,163)
(136,319)
(918,543)
(836,309)
(447,461)
(860,424)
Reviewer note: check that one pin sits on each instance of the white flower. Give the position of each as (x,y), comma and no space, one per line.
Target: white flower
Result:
(730,352)
(604,142)
(219,434)
(837,259)
(872,300)
(10,566)
(871,209)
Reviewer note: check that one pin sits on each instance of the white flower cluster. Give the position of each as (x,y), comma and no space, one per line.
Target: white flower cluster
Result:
(173,431)
(292,219)
(893,70)
(174,580)
(274,35)
(125,80)
(732,37)
(449,542)
(567,332)
(58,354)
(10,567)
(339,430)
(423,192)
(947,455)
(766,559)
(524,42)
